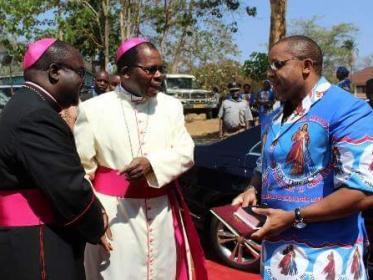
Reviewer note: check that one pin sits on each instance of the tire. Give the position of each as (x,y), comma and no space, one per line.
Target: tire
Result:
(209,114)
(234,251)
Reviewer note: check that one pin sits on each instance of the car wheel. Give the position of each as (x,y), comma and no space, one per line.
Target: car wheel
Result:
(235,251)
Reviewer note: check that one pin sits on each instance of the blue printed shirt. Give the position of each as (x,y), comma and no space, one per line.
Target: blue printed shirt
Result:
(326,143)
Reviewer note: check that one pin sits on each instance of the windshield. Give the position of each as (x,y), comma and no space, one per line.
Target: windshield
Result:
(7,91)
(182,83)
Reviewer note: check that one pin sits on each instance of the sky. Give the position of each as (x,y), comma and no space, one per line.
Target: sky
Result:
(253,32)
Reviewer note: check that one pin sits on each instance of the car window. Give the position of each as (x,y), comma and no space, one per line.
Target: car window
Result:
(182,83)
(176,83)
(3,100)
(6,94)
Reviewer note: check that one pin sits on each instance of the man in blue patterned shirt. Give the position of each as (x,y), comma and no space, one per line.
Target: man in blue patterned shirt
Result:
(314,173)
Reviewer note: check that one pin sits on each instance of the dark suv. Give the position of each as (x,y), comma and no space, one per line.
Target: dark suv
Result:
(222,170)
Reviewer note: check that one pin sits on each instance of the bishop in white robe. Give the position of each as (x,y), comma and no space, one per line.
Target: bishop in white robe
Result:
(151,238)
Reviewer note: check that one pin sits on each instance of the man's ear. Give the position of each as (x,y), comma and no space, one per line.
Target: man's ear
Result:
(307,66)
(124,72)
(53,73)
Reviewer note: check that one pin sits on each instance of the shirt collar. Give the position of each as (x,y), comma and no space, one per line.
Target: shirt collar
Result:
(49,98)
(239,99)
(129,96)
(316,93)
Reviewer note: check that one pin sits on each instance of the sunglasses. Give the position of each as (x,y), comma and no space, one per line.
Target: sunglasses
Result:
(79,71)
(151,70)
(278,64)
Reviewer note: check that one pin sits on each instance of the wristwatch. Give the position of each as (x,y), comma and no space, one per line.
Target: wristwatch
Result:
(298,222)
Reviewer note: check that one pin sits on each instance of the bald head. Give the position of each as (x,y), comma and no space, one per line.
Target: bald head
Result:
(304,47)
(114,81)
(101,81)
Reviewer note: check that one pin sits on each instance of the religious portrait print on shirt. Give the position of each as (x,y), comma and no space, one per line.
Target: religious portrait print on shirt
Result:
(296,168)
(288,262)
(299,156)
(355,269)
(328,266)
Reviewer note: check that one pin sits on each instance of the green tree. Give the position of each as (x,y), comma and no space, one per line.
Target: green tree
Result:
(193,33)
(331,40)
(350,46)
(219,74)
(89,26)
(21,21)
(256,67)
(130,13)
(190,33)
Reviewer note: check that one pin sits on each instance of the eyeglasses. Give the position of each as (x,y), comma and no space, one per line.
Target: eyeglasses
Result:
(278,64)
(151,70)
(79,71)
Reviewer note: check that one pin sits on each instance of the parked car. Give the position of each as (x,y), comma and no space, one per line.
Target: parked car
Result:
(6,92)
(190,93)
(222,170)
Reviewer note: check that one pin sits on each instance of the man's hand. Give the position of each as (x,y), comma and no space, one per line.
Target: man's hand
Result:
(105,239)
(138,168)
(277,221)
(246,198)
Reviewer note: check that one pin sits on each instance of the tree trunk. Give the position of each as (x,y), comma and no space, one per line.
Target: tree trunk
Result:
(177,52)
(105,9)
(60,31)
(180,45)
(167,13)
(136,25)
(278,21)
(129,18)
(122,16)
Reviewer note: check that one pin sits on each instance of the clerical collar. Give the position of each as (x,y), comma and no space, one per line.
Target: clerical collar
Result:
(131,97)
(44,94)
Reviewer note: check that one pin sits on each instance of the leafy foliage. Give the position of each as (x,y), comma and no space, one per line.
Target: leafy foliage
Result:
(82,25)
(190,33)
(256,67)
(337,42)
(219,74)
(21,21)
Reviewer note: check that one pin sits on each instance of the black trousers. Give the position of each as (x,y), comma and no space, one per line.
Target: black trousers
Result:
(40,253)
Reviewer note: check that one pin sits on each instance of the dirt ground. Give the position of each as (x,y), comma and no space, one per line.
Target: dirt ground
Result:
(198,126)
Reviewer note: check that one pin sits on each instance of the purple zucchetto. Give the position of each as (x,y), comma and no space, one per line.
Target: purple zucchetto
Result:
(35,51)
(126,45)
